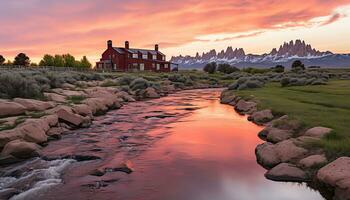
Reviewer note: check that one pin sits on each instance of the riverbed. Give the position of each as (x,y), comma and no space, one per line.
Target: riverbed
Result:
(184,146)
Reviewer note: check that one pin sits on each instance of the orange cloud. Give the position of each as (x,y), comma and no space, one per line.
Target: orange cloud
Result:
(82,27)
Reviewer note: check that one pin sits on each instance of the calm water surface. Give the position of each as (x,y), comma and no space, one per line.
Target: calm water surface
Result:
(186,146)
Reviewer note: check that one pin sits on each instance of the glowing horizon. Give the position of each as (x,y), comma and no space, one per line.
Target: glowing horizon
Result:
(78,27)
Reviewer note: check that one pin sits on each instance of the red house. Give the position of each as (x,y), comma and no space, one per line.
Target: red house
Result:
(129,59)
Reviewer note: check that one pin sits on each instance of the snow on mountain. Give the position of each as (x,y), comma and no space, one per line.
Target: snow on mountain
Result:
(285,54)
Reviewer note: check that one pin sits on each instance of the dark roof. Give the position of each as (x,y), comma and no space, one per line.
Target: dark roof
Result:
(143,51)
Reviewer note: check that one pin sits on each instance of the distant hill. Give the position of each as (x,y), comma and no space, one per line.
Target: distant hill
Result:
(284,55)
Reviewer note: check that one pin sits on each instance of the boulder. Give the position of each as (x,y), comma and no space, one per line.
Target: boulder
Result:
(286,124)
(245,106)
(71,118)
(150,92)
(286,172)
(34,105)
(8,193)
(262,116)
(266,155)
(21,149)
(318,132)
(55,97)
(96,105)
(33,130)
(276,135)
(287,151)
(56,132)
(313,160)
(11,108)
(227,97)
(8,136)
(336,173)
(83,110)
(51,120)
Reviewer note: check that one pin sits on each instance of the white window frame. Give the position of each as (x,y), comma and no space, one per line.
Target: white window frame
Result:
(144,56)
(158,66)
(154,57)
(163,57)
(135,55)
(166,66)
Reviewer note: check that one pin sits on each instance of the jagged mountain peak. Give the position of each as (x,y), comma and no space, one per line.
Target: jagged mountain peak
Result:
(286,52)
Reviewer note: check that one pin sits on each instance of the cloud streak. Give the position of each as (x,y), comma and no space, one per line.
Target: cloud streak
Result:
(81,27)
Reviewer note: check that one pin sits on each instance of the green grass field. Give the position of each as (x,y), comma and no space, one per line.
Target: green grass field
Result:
(323,105)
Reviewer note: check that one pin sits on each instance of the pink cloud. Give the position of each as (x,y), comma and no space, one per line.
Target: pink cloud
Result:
(82,27)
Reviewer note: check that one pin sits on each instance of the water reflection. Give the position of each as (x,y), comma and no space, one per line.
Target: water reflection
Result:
(209,155)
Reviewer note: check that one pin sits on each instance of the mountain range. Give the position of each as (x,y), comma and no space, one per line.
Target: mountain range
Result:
(284,55)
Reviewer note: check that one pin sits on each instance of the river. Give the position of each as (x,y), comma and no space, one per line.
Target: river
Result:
(186,146)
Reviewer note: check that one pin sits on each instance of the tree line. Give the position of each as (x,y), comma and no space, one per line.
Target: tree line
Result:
(65,60)
(225,68)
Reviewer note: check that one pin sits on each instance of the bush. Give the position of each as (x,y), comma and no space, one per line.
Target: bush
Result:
(226,68)
(210,67)
(297,66)
(278,69)
(247,83)
(139,84)
(13,85)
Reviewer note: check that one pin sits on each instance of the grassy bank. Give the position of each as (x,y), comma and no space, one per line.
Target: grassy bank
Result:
(321,105)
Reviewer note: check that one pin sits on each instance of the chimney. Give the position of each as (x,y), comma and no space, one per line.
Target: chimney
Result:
(156,47)
(126,44)
(109,43)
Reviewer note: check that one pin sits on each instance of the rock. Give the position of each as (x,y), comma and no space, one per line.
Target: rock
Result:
(11,109)
(150,92)
(68,86)
(227,97)
(245,106)
(278,135)
(83,110)
(8,136)
(168,88)
(263,133)
(34,105)
(33,130)
(287,151)
(21,149)
(262,116)
(97,105)
(125,96)
(286,124)
(336,173)
(286,172)
(266,155)
(56,132)
(69,93)
(55,97)
(318,132)
(71,118)
(51,120)
(313,160)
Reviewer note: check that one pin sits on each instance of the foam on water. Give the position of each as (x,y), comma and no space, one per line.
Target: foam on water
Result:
(38,180)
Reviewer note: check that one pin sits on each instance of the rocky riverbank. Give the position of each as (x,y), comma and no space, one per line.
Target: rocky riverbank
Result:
(286,153)
(27,125)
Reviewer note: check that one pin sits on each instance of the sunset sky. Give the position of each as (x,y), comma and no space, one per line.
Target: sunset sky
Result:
(82,27)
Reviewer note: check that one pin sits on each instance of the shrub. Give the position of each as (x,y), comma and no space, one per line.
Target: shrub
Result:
(297,66)
(210,67)
(278,69)
(125,80)
(226,68)
(109,83)
(138,84)
(247,83)
(13,85)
